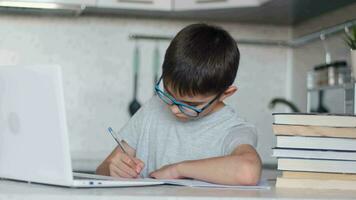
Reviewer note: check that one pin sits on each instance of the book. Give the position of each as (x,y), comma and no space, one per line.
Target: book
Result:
(318,175)
(321,131)
(300,142)
(315,184)
(314,154)
(313,119)
(315,165)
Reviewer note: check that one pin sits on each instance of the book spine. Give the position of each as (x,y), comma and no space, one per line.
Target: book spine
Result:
(315,184)
(308,165)
(325,143)
(301,130)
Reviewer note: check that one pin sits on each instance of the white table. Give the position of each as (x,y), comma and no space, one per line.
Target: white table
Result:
(20,190)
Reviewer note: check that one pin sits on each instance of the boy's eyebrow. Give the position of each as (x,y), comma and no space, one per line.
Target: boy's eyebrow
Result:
(187,102)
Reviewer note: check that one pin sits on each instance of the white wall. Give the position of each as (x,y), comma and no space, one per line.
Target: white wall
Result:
(96,56)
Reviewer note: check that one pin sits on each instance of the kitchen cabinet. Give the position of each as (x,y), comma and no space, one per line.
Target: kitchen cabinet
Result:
(177,5)
(72,2)
(162,5)
(181,5)
(154,5)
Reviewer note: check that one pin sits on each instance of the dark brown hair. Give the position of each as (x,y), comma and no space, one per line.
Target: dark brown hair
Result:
(201,59)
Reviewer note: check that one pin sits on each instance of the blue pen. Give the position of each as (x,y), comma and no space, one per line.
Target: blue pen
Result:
(111,131)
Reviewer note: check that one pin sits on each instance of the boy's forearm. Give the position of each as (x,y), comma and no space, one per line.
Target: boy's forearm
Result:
(230,170)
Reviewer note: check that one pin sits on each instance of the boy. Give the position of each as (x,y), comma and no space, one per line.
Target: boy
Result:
(186,130)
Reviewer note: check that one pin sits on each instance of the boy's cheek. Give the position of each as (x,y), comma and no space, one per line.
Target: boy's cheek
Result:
(182,118)
(178,114)
(205,112)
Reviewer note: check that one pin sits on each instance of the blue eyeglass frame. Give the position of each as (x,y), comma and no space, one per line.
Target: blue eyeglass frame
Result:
(180,104)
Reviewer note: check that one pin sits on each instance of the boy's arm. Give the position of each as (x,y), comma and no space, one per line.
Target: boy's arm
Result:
(242,167)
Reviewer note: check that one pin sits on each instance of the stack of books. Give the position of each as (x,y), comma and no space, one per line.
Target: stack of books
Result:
(315,150)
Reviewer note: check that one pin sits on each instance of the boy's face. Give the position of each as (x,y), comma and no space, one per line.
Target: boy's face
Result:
(209,103)
(198,101)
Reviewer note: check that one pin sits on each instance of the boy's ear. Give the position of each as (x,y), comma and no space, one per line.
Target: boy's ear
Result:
(228,92)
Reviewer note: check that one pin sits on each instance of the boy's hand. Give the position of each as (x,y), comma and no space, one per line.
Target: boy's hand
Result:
(120,164)
(124,165)
(167,172)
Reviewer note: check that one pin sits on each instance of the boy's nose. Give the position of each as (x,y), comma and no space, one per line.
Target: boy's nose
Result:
(174,109)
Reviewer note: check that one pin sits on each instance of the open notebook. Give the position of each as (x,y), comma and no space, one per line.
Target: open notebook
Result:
(182,182)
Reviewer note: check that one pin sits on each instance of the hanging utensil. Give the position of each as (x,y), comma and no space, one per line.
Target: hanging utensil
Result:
(156,63)
(135,105)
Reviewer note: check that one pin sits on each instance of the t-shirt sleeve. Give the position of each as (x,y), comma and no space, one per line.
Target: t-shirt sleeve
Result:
(241,134)
(132,130)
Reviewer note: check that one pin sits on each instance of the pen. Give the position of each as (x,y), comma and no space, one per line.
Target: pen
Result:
(118,140)
(111,131)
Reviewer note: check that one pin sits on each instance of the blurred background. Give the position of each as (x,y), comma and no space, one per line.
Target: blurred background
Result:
(294,57)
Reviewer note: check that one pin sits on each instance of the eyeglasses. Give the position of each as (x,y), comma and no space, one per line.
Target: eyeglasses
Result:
(188,110)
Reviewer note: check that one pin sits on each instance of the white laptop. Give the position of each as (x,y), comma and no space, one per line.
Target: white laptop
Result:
(34,143)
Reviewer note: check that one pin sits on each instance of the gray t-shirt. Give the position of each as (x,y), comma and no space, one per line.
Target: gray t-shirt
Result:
(160,139)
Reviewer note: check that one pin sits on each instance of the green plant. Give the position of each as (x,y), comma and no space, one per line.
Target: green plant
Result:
(351,38)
